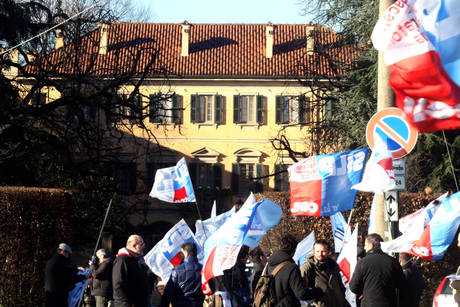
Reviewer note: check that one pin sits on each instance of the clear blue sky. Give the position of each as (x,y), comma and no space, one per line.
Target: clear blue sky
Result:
(225,11)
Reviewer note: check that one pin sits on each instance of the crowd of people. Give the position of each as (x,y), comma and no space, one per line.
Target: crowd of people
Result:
(126,281)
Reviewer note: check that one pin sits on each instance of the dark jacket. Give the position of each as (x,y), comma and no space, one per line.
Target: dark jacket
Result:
(414,283)
(102,279)
(326,276)
(60,275)
(129,278)
(289,285)
(236,284)
(183,288)
(257,270)
(377,277)
(455,285)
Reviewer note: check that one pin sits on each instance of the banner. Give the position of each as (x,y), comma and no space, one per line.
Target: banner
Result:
(173,184)
(379,174)
(440,231)
(165,255)
(204,229)
(420,40)
(304,249)
(222,247)
(339,227)
(321,185)
(349,255)
(412,226)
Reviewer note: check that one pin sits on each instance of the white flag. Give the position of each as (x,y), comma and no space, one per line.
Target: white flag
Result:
(379,174)
(304,248)
(347,262)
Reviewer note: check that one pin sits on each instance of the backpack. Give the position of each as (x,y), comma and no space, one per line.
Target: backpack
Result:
(264,295)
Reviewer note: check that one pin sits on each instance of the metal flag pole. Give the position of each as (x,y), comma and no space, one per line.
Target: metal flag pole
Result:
(450,160)
(103,225)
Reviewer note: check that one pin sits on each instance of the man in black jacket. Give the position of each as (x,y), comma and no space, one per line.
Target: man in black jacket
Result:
(60,277)
(290,288)
(129,276)
(322,272)
(183,288)
(414,282)
(378,277)
(102,279)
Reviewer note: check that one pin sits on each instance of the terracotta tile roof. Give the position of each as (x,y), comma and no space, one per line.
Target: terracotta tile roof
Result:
(216,51)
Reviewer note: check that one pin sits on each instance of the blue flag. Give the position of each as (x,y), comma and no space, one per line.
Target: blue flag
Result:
(321,185)
(76,294)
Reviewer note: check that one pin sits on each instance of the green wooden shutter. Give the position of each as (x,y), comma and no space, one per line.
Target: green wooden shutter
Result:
(217,175)
(261,110)
(218,109)
(279,109)
(236,109)
(235,177)
(193,101)
(177,109)
(303,112)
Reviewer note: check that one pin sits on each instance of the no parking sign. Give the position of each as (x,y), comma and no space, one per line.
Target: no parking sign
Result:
(391,125)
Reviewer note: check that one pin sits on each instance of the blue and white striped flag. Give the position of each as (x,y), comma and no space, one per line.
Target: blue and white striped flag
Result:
(339,227)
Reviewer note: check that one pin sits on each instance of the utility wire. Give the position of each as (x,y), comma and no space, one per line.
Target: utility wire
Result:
(48,30)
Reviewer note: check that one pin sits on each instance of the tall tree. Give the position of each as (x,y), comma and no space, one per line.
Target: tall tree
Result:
(349,97)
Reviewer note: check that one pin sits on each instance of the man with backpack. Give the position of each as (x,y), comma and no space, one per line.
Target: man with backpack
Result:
(281,283)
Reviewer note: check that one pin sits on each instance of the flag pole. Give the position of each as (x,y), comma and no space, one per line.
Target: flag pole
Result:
(103,225)
(450,160)
(201,219)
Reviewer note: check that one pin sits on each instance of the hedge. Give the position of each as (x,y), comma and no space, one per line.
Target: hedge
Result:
(33,221)
(408,203)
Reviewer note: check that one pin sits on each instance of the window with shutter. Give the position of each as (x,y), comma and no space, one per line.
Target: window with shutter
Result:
(304,110)
(281,177)
(219,109)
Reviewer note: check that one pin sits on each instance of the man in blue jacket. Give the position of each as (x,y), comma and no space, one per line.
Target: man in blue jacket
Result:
(183,288)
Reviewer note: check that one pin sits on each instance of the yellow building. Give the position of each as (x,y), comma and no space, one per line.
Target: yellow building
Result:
(231,89)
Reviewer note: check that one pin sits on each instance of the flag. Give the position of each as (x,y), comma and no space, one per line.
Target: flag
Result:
(420,40)
(214,209)
(440,231)
(76,294)
(223,246)
(173,184)
(204,229)
(339,227)
(304,248)
(379,174)
(348,257)
(412,226)
(321,185)
(165,255)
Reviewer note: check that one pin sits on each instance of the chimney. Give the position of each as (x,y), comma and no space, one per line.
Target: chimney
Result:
(185,39)
(310,40)
(59,42)
(103,42)
(269,41)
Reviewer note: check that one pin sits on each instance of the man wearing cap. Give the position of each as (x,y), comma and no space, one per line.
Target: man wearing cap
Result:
(60,277)
(129,275)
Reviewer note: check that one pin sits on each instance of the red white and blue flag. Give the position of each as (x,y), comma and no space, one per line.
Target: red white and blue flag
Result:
(173,184)
(440,231)
(165,255)
(245,227)
(420,40)
(321,185)
(379,174)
